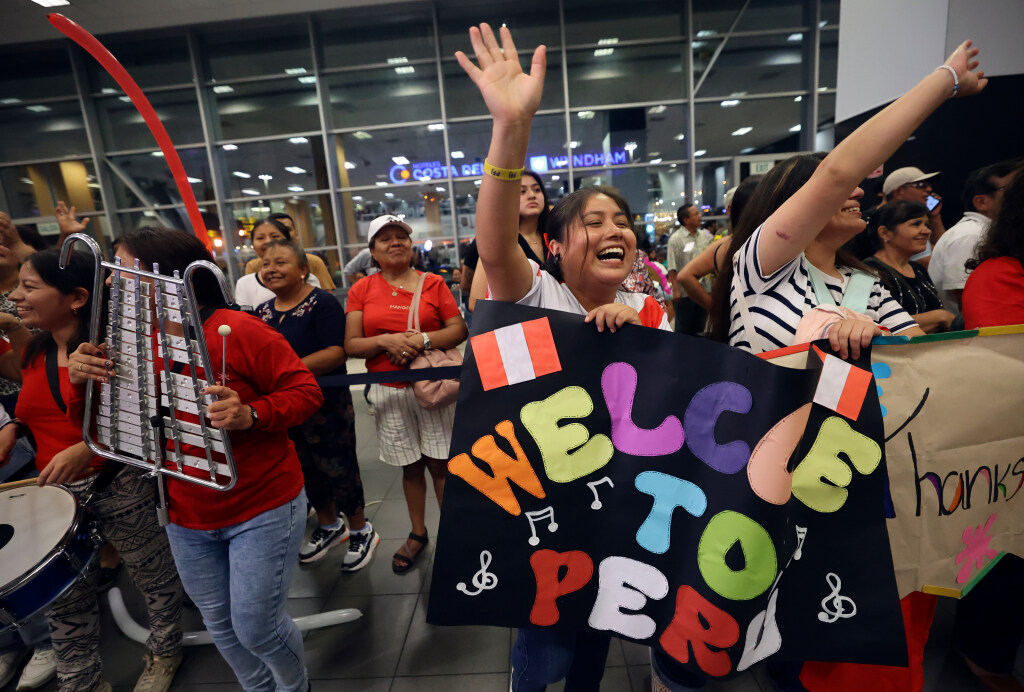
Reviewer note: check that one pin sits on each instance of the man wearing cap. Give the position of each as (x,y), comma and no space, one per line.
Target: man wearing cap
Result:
(983,191)
(914,185)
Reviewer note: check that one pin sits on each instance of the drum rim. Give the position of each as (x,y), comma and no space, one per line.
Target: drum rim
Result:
(77,522)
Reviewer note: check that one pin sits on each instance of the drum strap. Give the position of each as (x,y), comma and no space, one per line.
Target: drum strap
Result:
(52,375)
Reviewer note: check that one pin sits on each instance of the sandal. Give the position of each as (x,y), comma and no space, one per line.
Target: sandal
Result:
(403,563)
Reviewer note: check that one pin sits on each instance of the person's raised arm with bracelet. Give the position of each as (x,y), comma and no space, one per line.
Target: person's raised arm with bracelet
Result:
(797,223)
(512,97)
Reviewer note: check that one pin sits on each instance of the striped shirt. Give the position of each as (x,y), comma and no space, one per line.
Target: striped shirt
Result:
(777,302)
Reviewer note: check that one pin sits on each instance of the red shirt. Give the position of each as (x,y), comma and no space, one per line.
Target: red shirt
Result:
(51,428)
(994,294)
(268,376)
(384,313)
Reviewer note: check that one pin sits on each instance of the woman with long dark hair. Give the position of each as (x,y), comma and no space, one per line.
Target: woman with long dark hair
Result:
(58,302)
(236,549)
(534,208)
(994,294)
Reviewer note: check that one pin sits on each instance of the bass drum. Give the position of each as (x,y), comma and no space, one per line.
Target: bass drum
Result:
(46,545)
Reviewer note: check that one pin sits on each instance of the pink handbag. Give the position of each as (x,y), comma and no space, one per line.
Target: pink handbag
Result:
(431,394)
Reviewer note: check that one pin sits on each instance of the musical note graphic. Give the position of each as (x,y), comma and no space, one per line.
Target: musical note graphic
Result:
(801,535)
(596,504)
(838,603)
(541,514)
(482,579)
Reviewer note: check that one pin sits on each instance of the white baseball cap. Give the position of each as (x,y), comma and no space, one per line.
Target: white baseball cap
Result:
(901,176)
(387,220)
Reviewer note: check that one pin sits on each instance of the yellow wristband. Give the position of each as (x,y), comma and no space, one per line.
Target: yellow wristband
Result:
(502,173)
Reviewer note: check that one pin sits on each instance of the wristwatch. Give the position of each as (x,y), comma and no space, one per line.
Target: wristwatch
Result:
(426,342)
(255,417)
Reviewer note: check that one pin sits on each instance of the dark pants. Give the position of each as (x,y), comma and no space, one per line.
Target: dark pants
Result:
(690,317)
(990,619)
(542,657)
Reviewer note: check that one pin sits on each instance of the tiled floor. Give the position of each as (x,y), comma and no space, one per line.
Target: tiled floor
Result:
(392,649)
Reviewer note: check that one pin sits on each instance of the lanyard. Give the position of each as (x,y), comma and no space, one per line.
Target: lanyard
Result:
(856,296)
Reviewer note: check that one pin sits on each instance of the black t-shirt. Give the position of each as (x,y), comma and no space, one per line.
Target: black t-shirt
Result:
(915,294)
(472,256)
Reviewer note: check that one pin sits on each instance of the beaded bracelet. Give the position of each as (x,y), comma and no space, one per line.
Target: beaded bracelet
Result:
(502,173)
(956,80)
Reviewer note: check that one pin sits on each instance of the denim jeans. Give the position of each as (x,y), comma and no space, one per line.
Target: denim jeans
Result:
(238,577)
(541,657)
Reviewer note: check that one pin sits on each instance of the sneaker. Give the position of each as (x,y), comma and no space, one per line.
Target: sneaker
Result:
(158,673)
(361,545)
(41,668)
(320,541)
(9,666)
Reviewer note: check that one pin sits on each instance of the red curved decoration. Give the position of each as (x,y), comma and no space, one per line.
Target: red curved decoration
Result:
(97,50)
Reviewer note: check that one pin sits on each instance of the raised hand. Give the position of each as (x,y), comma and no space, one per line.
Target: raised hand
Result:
(972,80)
(510,94)
(68,220)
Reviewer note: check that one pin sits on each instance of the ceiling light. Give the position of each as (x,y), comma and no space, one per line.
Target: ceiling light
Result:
(629,146)
(126,99)
(295,169)
(400,160)
(240,174)
(389,195)
(158,154)
(38,108)
(673,165)
(700,152)
(349,165)
(824,88)
(680,137)
(729,103)
(440,189)
(397,61)
(381,183)
(608,41)
(229,147)
(310,79)
(699,44)
(795,128)
(266,178)
(573,144)
(585,115)
(51,3)
(223,89)
(705,34)
(654,110)
(795,37)
(250,192)
(298,140)
(296,188)
(108,90)
(798,99)
(435,127)
(194,180)
(476,182)
(405,69)
(359,134)
(555,177)
(655,161)
(601,52)
(357,198)
(747,150)
(742,131)
(27,181)
(295,70)
(9,102)
(458,155)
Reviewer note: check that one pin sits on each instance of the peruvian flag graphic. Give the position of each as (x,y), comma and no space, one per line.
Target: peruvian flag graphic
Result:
(514,354)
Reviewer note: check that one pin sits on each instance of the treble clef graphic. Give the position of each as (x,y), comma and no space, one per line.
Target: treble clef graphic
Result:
(482,580)
(834,606)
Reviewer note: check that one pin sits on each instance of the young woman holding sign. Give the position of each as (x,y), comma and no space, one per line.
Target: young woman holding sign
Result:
(592,250)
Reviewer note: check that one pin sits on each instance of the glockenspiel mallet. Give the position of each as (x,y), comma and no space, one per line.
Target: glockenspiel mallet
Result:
(224,330)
